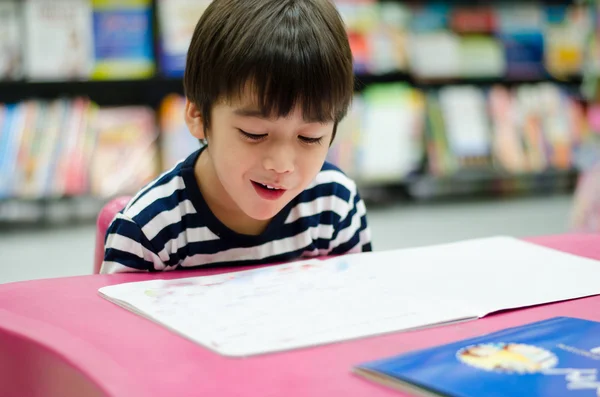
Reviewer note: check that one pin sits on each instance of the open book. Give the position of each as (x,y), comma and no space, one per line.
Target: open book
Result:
(314,302)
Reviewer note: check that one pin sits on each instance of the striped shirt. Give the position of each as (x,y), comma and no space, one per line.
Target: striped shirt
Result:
(168,226)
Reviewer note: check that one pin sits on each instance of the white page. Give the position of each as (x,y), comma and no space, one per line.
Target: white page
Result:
(309,303)
(491,274)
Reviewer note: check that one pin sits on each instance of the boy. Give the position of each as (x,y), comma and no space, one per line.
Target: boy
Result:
(266,83)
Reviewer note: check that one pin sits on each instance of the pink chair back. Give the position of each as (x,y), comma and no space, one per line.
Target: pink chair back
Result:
(105,217)
(585,212)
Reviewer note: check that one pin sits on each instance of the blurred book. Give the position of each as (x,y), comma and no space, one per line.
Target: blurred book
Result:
(520,29)
(11,62)
(359,16)
(177,20)
(24,150)
(508,151)
(54,140)
(430,17)
(79,180)
(440,159)
(481,57)
(123,39)
(361,52)
(72,165)
(58,39)
(527,129)
(391,142)
(464,110)
(346,150)
(176,141)
(435,55)
(30,153)
(566,36)
(529,123)
(473,20)
(12,118)
(438,41)
(458,135)
(388,40)
(380,140)
(125,156)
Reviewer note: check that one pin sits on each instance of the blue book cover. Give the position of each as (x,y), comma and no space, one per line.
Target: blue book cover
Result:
(552,358)
(123,39)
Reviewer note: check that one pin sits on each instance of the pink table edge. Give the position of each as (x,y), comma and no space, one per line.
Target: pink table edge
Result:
(101,349)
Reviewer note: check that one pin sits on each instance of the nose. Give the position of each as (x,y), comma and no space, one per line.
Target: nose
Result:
(279,158)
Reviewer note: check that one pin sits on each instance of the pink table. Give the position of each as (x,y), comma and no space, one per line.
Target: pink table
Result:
(59,338)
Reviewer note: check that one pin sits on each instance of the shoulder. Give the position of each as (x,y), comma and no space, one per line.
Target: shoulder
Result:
(161,202)
(332,181)
(332,191)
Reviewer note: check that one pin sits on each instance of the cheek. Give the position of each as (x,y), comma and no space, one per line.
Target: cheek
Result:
(235,160)
(311,161)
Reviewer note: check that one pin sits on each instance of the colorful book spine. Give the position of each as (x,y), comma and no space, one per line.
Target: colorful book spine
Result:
(125,155)
(10,137)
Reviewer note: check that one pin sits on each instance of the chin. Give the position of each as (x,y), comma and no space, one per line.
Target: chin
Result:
(264,214)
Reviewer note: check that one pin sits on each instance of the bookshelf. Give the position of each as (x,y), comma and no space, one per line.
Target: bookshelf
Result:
(418,184)
(489,183)
(152,91)
(148,92)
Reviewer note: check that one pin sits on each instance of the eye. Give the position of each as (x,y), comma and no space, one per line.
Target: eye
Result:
(252,137)
(310,141)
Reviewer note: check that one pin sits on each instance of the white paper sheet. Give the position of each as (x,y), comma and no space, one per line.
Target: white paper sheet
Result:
(314,302)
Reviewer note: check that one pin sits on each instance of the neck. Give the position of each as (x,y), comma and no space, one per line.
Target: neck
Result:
(219,202)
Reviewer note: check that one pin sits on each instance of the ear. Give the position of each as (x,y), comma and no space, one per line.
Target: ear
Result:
(194,120)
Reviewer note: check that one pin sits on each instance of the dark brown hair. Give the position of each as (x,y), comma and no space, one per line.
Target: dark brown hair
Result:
(291,52)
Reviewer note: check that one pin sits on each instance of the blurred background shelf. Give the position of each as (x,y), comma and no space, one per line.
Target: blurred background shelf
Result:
(152,91)
(49,211)
(486,184)
(454,100)
(105,93)
(46,212)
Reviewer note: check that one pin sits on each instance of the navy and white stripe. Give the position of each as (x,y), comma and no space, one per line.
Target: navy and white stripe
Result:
(168,225)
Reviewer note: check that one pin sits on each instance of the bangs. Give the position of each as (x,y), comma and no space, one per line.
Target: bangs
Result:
(279,84)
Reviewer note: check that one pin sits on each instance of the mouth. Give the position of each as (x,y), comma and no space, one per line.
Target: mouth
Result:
(268,192)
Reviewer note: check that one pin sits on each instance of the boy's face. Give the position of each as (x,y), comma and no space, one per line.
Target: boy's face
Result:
(260,164)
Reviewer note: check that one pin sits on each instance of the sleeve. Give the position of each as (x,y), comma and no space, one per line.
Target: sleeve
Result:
(127,249)
(351,233)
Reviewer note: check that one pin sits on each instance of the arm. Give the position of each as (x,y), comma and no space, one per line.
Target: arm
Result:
(352,234)
(127,249)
